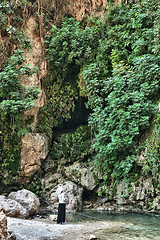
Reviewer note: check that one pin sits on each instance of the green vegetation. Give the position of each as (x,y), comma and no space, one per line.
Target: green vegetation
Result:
(14,100)
(115,63)
(72,147)
(14,97)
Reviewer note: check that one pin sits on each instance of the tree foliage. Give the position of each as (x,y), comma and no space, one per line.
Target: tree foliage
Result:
(14,100)
(115,63)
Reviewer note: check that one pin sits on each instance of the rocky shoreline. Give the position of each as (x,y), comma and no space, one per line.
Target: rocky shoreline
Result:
(47,229)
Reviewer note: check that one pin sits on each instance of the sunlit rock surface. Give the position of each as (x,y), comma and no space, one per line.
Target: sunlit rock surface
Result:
(34,151)
(13,208)
(27,199)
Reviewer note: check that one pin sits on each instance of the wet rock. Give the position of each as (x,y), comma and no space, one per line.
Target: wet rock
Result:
(13,208)
(27,199)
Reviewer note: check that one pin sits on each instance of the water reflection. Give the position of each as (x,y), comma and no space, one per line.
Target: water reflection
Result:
(124,226)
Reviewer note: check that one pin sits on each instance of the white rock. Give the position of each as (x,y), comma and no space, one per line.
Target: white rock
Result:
(93,237)
(27,199)
(13,208)
(53,217)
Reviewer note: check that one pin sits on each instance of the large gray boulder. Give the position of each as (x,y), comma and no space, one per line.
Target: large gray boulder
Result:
(27,199)
(12,208)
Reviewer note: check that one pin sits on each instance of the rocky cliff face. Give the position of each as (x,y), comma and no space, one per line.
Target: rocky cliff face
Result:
(34,146)
(35,58)
(79,8)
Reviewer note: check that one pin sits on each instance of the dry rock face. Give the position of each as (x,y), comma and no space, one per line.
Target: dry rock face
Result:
(78,8)
(3,224)
(20,204)
(27,199)
(35,58)
(13,208)
(34,147)
(81,175)
(34,151)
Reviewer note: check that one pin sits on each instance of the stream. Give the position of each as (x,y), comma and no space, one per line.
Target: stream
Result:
(126,225)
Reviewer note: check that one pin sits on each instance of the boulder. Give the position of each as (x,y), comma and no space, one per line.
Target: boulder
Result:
(3,224)
(81,174)
(34,151)
(27,199)
(13,208)
(73,195)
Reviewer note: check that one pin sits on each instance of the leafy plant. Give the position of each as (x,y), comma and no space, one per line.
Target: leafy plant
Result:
(115,63)
(14,100)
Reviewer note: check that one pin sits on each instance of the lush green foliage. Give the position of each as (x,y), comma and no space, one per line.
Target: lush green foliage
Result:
(58,106)
(124,102)
(11,26)
(73,146)
(14,100)
(116,64)
(68,49)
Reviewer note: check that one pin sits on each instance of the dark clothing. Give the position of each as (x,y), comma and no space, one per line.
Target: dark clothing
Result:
(61,213)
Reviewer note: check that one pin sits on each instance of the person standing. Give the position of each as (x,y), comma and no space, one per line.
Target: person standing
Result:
(61,206)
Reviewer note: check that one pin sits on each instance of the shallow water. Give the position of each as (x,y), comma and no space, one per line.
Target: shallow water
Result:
(124,226)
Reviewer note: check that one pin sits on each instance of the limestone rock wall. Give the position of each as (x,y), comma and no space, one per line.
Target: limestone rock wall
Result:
(35,58)
(34,151)
(78,8)
(34,146)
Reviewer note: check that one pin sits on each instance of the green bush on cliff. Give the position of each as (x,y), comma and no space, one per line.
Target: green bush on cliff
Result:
(116,64)
(69,47)
(124,103)
(72,147)
(14,100)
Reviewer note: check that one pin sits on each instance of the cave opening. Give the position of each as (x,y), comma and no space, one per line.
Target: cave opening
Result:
(78,117)
(89,197)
